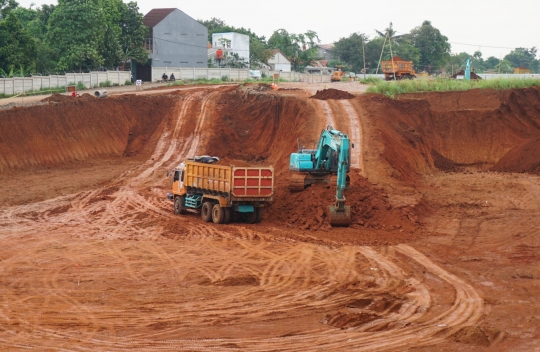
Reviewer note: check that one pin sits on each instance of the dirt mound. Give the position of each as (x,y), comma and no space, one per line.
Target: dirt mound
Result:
(80,128)
(308,210)
(450,131)
(332,93)
(462,73)
(472,335)
(58,98)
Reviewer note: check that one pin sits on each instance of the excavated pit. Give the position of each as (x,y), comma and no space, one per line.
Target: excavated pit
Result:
(145,278)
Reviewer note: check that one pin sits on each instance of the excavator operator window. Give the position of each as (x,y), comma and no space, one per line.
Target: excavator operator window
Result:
(176,175)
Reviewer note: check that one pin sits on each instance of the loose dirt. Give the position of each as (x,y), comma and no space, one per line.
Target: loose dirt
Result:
(442,252)
(332,93)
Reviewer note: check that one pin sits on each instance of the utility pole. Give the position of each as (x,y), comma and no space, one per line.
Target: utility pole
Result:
(392,55)
(364,56)
(386,36)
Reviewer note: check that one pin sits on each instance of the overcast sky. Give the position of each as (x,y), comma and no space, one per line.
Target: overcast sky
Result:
(494,27)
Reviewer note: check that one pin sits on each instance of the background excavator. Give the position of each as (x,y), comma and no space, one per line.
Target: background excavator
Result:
(322,165)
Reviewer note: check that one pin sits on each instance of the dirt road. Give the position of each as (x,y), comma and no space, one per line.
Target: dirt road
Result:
(442,253)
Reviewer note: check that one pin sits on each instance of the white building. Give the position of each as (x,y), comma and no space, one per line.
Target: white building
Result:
(279,62)
(232,43)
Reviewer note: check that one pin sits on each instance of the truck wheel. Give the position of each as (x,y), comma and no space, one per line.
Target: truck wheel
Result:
(218,214)
(252,217)
(259,215)
(206,211)
(227,215)
(179,205)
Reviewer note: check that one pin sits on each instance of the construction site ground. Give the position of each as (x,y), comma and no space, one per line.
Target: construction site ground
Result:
(443,251)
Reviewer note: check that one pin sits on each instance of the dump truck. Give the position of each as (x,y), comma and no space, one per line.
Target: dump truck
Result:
(221,192)
(396,68)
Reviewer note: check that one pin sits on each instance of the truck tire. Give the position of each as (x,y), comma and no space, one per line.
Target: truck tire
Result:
(206,211)
(227,215)
(179,205)
(252,217)
(259,215)
(218,214)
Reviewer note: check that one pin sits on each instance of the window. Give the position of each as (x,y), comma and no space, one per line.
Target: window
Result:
(149,44)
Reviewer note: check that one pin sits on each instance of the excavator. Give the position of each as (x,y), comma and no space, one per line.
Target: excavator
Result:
(311,166)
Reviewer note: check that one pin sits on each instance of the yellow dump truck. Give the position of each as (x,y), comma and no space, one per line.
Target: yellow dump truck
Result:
(221,193)
(396,68)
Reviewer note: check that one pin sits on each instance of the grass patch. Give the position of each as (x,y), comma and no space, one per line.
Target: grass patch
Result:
(370,80)
(176,83)
(393,88)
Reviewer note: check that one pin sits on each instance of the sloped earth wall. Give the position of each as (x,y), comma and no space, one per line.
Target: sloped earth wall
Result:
(452,131)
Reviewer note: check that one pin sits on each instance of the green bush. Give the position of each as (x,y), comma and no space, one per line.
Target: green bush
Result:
(225,78)
(80,86)
(105,84)
(393,88)
(127,82)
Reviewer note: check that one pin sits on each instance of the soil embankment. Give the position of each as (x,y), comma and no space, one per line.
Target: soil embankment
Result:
(451,131)
(75,129)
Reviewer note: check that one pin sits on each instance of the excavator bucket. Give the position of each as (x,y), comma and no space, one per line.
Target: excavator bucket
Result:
(339,215)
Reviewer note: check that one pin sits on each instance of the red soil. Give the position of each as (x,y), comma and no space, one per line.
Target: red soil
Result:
(332,93)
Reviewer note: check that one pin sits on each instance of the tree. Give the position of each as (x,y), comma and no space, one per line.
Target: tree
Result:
(133,34)
(110,49)
(349,50)
(522,57)
(6,6)
(300,49)
(76,34)
(433,46)
(17,47)
(492,62)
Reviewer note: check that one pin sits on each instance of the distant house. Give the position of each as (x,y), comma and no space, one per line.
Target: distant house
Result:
(522,70)
(230,42)
(174,40)
(325,51)
(279,62)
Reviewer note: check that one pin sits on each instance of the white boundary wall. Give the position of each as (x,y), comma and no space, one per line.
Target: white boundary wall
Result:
(233,74)
(17,85)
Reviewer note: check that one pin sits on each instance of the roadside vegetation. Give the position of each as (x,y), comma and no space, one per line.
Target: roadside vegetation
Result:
(393,88)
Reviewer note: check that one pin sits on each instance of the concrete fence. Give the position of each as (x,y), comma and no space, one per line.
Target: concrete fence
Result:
(232,74)
(17,85)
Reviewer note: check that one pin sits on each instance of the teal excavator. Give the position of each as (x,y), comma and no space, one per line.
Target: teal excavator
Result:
(332,157)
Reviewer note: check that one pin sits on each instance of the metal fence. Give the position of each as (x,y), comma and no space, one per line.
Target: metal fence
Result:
(17,85)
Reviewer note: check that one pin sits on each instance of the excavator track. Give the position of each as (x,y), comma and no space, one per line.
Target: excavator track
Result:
(297,182)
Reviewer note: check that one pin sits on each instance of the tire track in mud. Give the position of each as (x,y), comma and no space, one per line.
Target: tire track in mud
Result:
(281,271)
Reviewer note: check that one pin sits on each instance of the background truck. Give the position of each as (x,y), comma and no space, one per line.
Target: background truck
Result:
(222,192)
(399,68)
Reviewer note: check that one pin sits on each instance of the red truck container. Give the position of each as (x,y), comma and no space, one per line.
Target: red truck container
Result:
(222,192)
